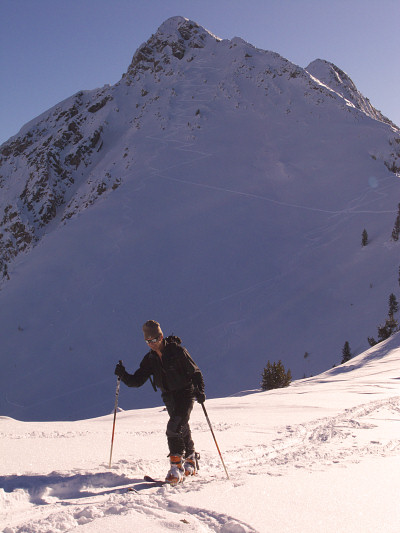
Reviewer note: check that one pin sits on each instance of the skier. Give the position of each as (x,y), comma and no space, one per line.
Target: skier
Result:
(171,369)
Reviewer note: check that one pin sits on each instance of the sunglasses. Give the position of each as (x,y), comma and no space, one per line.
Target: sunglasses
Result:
(152,341)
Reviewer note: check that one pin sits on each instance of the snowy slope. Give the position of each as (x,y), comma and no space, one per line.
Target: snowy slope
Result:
(217,188)
(320,456)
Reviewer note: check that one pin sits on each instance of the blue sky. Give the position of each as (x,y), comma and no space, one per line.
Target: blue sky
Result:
(50,49)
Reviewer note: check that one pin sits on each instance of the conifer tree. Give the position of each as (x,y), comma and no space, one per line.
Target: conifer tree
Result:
(372,341)
(389,327)
(393,304)
(396,228)
(364,238)
(346,352)
(274,376)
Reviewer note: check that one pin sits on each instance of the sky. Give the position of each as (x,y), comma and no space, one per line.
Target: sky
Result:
(51,49)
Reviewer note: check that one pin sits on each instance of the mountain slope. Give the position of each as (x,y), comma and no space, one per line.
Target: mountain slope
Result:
(217,188)
(319,456)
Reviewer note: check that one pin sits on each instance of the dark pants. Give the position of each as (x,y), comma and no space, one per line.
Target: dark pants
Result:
(179,405)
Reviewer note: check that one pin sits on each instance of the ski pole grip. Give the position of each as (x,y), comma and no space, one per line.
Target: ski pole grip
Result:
(122,364)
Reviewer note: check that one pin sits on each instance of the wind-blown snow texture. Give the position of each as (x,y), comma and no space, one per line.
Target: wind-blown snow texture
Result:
(321,456)
(217,188)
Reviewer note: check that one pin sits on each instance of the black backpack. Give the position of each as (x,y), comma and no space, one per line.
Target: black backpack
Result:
(169,340)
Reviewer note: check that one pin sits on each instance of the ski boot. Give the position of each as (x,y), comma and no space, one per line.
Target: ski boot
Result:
(191,464)
(176,473)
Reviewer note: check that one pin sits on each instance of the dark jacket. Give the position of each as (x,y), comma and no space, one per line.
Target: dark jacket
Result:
(175,371)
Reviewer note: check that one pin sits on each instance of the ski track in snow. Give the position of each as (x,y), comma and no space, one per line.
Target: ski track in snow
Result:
(65,501)
(182,139)
(326,232)
(178,139)
(300,446)
(72,501)
(178,136)
(344,211)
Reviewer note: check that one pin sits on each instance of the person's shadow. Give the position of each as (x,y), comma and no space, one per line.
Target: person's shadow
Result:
(68,487)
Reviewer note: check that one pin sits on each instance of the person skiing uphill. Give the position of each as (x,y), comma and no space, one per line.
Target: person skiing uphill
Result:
(170,368)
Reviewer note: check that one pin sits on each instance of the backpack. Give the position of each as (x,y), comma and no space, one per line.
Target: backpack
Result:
(169,340)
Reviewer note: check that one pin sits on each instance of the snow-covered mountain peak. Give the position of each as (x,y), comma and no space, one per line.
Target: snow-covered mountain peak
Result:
(335,78)
(173,39)
(181,27)
(330,74)
(238,41)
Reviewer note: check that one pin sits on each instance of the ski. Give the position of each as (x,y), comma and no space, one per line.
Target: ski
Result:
(156,483)
(161,482)
(150,479)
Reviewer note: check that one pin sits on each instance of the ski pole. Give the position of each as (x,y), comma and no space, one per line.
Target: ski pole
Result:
(115,416)
(215,440)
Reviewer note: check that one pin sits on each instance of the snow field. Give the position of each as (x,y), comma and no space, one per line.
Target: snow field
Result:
(320,456)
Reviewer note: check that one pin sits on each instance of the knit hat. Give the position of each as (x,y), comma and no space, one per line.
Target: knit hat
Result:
(151,329)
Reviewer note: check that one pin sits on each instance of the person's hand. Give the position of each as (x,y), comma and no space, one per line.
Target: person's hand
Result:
(119,370)
(200,396)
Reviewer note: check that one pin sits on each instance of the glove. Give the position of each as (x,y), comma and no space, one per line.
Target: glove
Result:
(119,370)
(200,396)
